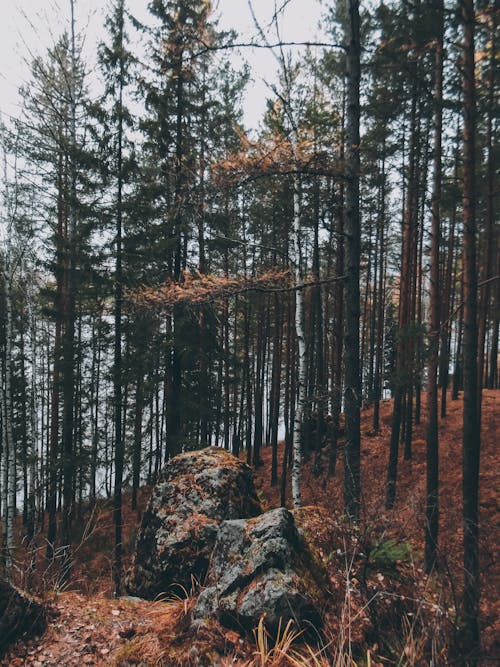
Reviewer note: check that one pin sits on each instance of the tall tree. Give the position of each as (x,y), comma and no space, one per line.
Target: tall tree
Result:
(352,390)
(10,257)
(471,422)
(432,517)
(115,63)
(73,83)
(53,136)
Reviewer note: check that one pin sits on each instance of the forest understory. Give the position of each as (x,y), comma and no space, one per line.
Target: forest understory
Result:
(174,275)
(88,626)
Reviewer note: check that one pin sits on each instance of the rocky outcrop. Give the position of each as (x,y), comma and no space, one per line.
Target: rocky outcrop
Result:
(262,566)
(196,492)
(19,615)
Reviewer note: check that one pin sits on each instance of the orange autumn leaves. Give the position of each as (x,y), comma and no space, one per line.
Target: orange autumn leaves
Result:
(273,155)
(196,288)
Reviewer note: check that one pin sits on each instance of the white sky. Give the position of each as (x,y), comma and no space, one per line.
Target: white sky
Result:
(30,26)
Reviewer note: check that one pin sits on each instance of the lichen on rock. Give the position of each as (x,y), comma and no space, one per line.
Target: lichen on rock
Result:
(196,492)
(260,567)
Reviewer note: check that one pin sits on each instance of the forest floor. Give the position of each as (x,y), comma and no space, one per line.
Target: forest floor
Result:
(88,627)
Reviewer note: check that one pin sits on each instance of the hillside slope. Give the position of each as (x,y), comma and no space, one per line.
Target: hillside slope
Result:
(90,628)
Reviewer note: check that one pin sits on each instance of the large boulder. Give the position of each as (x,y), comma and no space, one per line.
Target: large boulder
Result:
(19,615)
(262,567)
(196,492)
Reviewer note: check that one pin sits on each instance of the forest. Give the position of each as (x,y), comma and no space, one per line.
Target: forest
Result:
(318,295)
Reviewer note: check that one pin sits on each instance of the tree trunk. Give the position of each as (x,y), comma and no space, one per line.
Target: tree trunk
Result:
(136,454)
(379,353)
(487,262)
(352,390)
(275,390)
(471,421)
(117,347)
(10,472)
(448,300)
(68,340)
(301,347)
(432,501)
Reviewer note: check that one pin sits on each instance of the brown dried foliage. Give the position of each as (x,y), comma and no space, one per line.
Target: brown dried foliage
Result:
(196,288)
(274,155)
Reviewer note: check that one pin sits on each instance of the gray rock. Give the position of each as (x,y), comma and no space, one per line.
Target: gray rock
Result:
(196,492)
(20,615)
(259,567)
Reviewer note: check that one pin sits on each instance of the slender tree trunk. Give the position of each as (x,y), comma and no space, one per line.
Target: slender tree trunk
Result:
(471,420)
(137,451)
(352,390)
(178,315)
(68,341)
(276,380)
(301,343)
(493,376)
(448,301)
(10,472)
(289,399)
(338,328)
(432,502)
(226,381)
(248,385)
(378,379)
(487,263)
(259,388)
(403,352)
(420,361)
(117,348)
(53,454)
(458,367)
(34,446)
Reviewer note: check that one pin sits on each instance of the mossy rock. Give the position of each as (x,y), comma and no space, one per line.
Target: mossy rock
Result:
(262,567)
(196,492)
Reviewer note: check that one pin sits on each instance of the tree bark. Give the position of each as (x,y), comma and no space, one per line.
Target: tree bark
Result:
(471,421)
(432,497)
(301,347)
(352,390)
(117,347)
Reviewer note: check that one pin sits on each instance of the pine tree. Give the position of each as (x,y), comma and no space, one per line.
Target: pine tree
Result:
(432,507)
(352,390)
(115,62)
(471,421)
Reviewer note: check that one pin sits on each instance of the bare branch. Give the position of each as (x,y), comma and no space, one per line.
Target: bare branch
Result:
(256,45)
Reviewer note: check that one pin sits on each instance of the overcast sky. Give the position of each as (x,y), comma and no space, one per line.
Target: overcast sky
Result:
(30,26)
